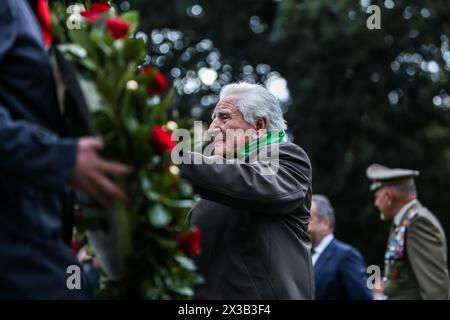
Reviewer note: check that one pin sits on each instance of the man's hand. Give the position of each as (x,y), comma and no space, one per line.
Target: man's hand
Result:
(90,173)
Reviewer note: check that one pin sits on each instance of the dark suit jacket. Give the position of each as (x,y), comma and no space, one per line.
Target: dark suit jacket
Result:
(340,273)
(254,228)
(35,164)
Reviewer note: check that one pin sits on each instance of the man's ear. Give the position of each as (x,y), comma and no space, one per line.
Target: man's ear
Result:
(262,123)
(390,194)
(327,221)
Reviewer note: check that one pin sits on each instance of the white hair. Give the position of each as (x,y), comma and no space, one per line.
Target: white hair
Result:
(256,102)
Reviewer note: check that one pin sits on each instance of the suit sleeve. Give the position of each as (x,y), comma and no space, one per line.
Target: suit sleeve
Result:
(253,185)
(7,28)
(353,275)
(29,153)
(426,252)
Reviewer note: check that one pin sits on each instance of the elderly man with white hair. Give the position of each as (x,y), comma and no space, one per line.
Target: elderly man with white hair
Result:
(254,225)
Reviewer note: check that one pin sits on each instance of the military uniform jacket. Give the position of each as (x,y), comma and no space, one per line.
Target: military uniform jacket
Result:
(416,257)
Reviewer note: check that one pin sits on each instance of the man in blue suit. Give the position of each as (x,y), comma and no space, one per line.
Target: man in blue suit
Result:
(37,164)
(339,269)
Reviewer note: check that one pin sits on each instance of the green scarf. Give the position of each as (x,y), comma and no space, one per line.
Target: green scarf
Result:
(266,139)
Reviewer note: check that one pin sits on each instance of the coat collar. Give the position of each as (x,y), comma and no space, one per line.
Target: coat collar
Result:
(400,215)
(326,254)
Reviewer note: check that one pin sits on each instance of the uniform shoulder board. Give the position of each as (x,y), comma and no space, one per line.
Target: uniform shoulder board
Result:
(412,214)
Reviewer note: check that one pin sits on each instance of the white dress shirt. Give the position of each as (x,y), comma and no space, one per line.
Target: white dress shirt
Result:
(324,243)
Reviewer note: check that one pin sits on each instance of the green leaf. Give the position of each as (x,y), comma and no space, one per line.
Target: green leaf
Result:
(158,216)
(197,278)
(151,195)
(184,291)
(179,203)
(91,94)
(186,189)
(101,21)
(133,18)
(146,186)
(152,293)
(185,262)
(81,38)
(140,141)
(73,49)
(104,88)
(167,243)
(159,112)
(131,124)
(133,50)
(102,42)
(141,134)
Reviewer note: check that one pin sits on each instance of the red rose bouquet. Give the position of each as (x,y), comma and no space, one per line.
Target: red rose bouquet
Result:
(138,246)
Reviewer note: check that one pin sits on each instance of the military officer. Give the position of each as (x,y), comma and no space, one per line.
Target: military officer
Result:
(416,253)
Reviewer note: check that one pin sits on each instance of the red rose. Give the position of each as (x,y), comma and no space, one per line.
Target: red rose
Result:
(161,140)
(159,84)
(73,245)
(190,242)
(117,28)
(95,11)
(45,20)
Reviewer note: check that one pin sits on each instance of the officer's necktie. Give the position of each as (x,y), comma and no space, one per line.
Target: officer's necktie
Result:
(45,21)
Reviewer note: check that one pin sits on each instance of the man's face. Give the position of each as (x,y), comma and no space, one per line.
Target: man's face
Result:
(383,202)
(317,228)
(227,119)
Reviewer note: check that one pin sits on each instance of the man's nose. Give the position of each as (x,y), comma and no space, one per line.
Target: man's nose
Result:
(215,126)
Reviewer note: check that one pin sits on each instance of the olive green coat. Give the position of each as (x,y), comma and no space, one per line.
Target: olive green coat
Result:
(416,257)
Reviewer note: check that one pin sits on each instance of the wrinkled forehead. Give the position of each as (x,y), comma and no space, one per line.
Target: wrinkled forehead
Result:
(228,104)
